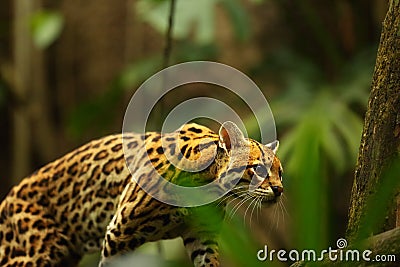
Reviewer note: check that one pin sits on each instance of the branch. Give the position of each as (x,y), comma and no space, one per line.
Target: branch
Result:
(161,109)
(168,36)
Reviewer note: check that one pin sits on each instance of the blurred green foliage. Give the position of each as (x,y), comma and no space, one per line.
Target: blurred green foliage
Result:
(328,109)
(191,16)
(321,131)
(238,244)
(194,17)
(188,14)
(99,112)
(46,27)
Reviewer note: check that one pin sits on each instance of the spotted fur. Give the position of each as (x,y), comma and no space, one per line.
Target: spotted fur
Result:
(88,200)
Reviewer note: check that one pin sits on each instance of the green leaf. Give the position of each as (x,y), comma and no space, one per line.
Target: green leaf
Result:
(349,126)
(189,15)
(307,184)
(239,18)
(238,242)
(323,112)
(332,147)
(286,144)
(46,27)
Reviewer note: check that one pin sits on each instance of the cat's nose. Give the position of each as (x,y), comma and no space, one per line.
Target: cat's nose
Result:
(277,190)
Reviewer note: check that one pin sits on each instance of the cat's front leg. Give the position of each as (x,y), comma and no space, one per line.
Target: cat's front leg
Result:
(202,248)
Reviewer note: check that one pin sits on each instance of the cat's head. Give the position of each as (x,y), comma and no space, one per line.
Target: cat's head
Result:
(253,167)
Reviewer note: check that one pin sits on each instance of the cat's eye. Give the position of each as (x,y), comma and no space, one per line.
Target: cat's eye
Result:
(261,171)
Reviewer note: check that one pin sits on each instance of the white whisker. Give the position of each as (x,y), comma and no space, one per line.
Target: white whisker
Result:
(274,217)
(277,214)
(284,208)
(223,199)
(236,198)
(245,212)
(233,197)
(238,205)
(259,208)
(236,190)
(257,199)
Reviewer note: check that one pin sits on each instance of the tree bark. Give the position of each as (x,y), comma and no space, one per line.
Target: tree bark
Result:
(381,135)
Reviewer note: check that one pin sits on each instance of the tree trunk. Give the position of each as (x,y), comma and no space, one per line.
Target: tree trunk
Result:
(33,130)
(22,146)
(381,135)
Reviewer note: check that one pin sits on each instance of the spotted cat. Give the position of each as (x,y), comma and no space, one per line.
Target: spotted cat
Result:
(88,200)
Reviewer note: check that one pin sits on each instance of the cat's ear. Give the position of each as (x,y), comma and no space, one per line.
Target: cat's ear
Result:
(230,136)
(274,145)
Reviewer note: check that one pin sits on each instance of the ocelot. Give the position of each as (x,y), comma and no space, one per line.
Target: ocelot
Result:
(88,200)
